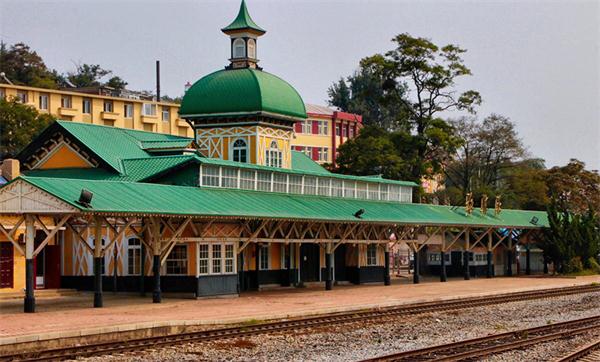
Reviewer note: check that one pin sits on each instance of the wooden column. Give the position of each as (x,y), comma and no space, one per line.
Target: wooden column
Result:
(29,301)
(98,260)
(155,230)
(443,275)
(386,273)
(416,276)
(509,257)
(490,256)
(467,272)
(527,259)
(328,268)
(257,264)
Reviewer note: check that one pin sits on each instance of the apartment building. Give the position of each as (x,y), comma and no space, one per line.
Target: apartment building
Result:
(318,136)
(325,129)
(101,109)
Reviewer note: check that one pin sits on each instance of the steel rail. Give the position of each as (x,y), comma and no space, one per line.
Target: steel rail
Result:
(134,345)
(589,352)
(476,348)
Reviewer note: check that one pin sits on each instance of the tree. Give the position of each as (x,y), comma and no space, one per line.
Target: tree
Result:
(427,74)
(24,66)
(373,152)
(87,75)
(19,124)
(117,83)
(579,187)
(490,153)
(573,239)
(525,187)
(365,96)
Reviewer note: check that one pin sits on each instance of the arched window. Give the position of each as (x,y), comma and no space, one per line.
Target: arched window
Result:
(239,48)
(274,155)
(251,49)
(240,151)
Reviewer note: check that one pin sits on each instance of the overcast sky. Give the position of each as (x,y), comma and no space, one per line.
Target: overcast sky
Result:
(536,62)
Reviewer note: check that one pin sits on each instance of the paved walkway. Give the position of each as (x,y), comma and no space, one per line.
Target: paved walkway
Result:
(75,314)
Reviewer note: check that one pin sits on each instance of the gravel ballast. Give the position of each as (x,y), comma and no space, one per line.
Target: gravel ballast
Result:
(361,340)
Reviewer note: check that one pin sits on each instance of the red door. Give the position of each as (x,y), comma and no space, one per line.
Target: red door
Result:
(6,265)
(52,264)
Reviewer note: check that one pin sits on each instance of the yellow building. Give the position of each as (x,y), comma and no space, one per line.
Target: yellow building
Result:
(144,115)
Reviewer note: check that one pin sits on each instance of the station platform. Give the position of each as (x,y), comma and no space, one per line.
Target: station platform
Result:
(74,315)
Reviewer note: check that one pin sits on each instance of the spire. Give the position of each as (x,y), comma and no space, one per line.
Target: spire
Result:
(243,21)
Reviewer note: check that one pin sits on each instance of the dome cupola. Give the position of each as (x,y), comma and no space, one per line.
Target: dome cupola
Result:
(243,32)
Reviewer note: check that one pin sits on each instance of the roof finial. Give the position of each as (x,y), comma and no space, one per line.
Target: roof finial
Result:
(243,21)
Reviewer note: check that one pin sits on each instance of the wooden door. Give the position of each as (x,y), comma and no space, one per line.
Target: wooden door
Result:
(6,265)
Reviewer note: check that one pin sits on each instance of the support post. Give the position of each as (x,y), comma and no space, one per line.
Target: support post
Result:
(490,256)
(156,293)
(328,271)
(527,260)
(242,284)
(142,268)
(416,276)
(257,265)
(386,273)
(29,302)
(98,259)
(466,255)
(509,257)
(443,275)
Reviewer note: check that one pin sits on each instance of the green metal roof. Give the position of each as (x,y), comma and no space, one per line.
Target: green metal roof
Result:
(243,21)
(135,169)
(242,92)
(110,144)
(303,170)
(144,198)
(301,162)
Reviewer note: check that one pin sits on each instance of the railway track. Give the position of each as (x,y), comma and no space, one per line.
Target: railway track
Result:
(477,348)
(588,353)
(134,345)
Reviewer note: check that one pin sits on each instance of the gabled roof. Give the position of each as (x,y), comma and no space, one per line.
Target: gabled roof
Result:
(243,21)
(143,198)
(110,145)
(134,169)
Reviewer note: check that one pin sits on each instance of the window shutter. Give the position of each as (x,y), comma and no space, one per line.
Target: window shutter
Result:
(298,127)
(315,127)
(315,151)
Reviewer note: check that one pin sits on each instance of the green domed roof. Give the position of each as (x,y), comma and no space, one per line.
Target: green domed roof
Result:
(241,92)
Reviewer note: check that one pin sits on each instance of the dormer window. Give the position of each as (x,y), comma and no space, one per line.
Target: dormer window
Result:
(240,151)
(251,49)
(239,48)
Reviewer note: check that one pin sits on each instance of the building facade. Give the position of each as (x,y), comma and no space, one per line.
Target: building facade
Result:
(237,209)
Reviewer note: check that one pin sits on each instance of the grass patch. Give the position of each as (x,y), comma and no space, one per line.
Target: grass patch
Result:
(251,322)
(584,272)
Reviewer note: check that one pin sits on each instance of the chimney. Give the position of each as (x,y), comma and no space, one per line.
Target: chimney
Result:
(10,169)
(158,80)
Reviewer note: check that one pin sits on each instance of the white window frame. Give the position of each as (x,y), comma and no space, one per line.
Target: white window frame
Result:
(22,96)
(66,101)
(128,110)
(238,149)
(263,254)
(166,111)
(222,260)
(149,109)
(251,48)
(44,101)
(108,106)
(134,249)
(372,259)
(86,106)
(239,48)
(274,156)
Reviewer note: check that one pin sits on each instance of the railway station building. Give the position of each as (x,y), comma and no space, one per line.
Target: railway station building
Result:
(235,208)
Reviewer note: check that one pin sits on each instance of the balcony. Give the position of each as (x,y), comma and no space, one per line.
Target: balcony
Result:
(109,116)
(149,119)
(70,112)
